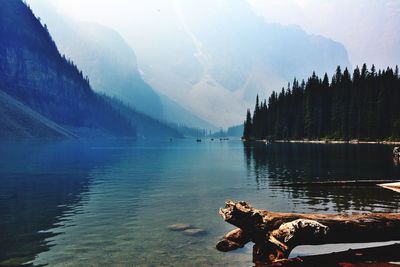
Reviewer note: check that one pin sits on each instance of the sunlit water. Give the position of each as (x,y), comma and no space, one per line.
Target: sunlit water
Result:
(108,203)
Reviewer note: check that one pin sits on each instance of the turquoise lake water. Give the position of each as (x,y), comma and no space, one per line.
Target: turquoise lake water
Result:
(108,203)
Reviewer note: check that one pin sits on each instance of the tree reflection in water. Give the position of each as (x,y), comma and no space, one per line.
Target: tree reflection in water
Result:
(276,165)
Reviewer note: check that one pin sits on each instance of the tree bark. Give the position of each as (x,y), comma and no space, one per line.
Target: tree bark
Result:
(276,234)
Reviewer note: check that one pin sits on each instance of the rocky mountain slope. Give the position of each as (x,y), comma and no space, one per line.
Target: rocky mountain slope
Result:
(33,72)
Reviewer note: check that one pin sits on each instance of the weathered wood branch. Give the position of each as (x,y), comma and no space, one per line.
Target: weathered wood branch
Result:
(338,183)
(380,255)
(391,186)
(276,234)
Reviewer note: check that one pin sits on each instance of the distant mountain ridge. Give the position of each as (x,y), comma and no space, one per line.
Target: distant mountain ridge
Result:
(111,65)
(213,57)
(216,56)
(33,73)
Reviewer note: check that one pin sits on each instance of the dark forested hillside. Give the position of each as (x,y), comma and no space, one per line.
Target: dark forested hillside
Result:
(33,71)
(146,126)
(34,74)
(109,62)
(19,121)
(363,105)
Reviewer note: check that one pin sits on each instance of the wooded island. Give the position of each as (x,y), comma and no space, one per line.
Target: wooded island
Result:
(361,106)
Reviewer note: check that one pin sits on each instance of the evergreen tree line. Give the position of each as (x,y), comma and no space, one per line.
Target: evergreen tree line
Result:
(363,106)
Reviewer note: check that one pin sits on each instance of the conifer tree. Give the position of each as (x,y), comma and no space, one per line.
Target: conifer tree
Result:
(248,127)
(363,106)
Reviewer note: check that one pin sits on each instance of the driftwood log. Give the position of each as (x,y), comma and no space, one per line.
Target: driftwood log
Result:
(347,183)
(374,257)
(275,234)
(387,184)
(392,186)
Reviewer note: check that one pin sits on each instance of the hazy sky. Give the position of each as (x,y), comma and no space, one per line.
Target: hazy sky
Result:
(158,32)
(369,29)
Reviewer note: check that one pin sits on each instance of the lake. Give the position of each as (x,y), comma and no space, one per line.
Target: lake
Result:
(109,202)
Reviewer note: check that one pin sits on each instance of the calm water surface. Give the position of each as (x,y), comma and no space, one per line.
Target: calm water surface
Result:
(108,203)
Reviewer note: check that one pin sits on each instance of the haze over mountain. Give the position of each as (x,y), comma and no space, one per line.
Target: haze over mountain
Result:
(111,65)
(212,57)
(241,55)
(45,95)
(369,29)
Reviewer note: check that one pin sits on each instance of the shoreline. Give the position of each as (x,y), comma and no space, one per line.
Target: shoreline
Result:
(353,142)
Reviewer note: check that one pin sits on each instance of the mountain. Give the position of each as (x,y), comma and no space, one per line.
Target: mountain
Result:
(176,114)
(214,57)
(18,120)
(146,126)
(233,131)
(33,71)
(48,91)
(111,65)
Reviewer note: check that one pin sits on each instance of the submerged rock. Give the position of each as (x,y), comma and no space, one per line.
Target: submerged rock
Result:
(186,229)
(179,227)
(195,232)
